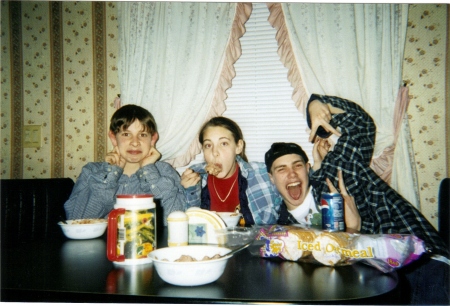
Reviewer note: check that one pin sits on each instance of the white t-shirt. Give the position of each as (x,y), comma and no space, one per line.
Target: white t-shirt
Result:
(303,213)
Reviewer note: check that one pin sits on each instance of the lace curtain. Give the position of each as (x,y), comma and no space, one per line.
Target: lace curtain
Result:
(176,60)
(354,51)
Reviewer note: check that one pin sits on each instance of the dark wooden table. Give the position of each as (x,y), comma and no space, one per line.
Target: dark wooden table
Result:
(63,270)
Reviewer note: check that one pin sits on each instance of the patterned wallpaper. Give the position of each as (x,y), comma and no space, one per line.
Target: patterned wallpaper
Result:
(58,70)
(424,72)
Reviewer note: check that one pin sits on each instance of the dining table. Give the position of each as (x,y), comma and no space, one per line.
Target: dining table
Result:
(59,269)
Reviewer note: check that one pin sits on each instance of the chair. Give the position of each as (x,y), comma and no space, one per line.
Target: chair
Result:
(443,210)
(31,208)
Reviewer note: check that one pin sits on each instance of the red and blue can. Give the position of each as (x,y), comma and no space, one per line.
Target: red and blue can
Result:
(332,206)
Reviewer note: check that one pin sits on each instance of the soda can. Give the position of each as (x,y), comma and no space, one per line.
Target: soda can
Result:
(332,206)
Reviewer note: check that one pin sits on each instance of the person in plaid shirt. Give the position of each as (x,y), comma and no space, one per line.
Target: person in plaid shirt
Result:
(237,184)
(379,208)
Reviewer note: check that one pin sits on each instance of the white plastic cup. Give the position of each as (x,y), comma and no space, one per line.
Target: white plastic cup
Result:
(178,229)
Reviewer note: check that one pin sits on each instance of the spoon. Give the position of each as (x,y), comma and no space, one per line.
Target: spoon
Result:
(202,171)
(236,250)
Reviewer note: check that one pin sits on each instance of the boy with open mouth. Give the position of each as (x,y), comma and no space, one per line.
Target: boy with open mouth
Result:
(371,206)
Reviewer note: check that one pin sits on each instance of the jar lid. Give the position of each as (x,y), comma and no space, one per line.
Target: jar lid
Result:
(133,196)
(134,201)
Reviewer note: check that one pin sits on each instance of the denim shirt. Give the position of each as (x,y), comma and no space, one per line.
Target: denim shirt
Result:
(94,193)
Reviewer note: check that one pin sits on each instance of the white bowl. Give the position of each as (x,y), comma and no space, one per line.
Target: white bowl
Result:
(74,230)
(231,219)
(192,273)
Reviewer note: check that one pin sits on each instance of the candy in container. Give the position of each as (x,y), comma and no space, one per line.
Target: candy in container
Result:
(131,229)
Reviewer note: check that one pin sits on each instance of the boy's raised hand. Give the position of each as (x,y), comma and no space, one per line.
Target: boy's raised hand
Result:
(151,158)
(351,214)
(320,115)
(114,158)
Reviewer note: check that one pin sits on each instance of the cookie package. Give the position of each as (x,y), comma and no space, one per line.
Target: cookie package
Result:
(386,252)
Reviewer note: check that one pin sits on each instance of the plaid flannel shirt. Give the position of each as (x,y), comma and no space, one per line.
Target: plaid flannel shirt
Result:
(263,198)
(381,208)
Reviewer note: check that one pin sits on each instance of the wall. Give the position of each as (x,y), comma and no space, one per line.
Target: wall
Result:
(59,70)
(424,72)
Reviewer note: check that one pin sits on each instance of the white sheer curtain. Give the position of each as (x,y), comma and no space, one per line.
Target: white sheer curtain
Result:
(175,61)
(354,51)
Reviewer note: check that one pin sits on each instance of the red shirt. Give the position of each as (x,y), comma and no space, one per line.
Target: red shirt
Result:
(224,193)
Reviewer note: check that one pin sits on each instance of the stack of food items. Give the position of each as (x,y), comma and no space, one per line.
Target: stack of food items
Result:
(386,252)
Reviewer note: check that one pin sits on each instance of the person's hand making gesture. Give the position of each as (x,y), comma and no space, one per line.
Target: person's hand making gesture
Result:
(320,150)
(151,158)
(320,114)
(114,158)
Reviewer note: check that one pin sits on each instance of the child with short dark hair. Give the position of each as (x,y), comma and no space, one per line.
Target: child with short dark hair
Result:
(375,207)
(132,167)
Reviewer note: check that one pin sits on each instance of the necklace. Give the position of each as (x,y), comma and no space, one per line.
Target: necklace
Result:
(214,184)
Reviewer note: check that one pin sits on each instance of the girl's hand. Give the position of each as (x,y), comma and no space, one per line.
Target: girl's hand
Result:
(351,214)
(151,158)
(320,115)
(114,158)
(189,178)
(320,150)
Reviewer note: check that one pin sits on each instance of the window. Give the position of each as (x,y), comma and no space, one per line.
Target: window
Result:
(260,97)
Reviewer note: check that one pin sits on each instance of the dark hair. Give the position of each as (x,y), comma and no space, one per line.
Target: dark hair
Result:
(228,124)
(127,114)
(279,149)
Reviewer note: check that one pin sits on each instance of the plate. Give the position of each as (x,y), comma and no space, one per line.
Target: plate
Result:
(203,225)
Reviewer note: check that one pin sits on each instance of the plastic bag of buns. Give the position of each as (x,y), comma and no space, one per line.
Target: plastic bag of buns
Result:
(386,252)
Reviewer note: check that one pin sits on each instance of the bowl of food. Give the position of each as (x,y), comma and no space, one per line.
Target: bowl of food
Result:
(83,228)
(190,265)
(231,219)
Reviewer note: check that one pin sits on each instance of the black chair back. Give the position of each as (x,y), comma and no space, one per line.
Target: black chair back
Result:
(31,208)
(444,211)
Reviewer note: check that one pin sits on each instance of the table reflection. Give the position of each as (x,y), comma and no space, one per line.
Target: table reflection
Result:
(130,279)
(276,279)
(209,291)
(84,255)
(78,270)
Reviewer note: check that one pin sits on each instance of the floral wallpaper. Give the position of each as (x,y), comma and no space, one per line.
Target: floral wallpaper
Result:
(63,77)
(59,71)
(36,53)
(424,70)
(5,106)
